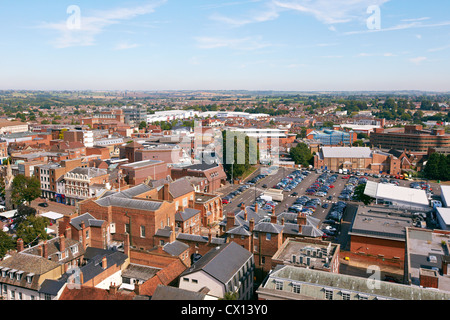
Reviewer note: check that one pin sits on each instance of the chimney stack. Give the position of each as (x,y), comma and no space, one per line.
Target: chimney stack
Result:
(172,233)
(45,249)
(273,219)
(256,208)
(301,219)
(68,232)
(230,221)
(104,263)
(112,288)
(251,225)
(166,191)
(62,243)
(19,245)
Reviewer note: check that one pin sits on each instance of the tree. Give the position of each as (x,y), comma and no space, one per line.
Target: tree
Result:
(6,243)
(360,196)
(301,154)
(25,189)
(23,212)
(32,229)
(142,125)
(358,143)
(237,168)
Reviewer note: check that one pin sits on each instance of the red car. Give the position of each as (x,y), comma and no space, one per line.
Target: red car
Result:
(331,186)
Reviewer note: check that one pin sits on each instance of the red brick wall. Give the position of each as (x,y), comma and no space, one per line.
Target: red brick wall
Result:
(375,247)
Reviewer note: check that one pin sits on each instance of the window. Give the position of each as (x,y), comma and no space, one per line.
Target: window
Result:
(31,297)
(278,285)
(345,296)
(328,294)
(363,297)
(5,289)
(74,249)
(47,297)
(13,295)
(127,228)
(161,242)
(194,281)
(142,231)
(296,288)
(87,234)
(186,279)
(268,236)
(20,295)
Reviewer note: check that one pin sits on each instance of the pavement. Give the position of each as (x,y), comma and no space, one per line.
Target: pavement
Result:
(52,206)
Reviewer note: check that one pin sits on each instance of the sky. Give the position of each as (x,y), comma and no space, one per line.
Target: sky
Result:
(285,45)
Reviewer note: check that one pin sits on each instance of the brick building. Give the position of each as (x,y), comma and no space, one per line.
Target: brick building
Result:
(80,183)
(410,138)
(140,171)
(263,234)
(214,173)
(380,232)
(357,159)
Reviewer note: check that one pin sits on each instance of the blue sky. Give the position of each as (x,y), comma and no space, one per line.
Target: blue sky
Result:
(302,45)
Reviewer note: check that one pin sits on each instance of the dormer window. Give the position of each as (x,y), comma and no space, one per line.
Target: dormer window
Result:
(74,249)
(30,277)
(19,275)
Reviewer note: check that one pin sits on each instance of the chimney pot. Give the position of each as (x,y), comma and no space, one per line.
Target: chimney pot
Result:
(19,245)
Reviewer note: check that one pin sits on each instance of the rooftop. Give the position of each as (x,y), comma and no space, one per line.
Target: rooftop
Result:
(377,222)
(423,244)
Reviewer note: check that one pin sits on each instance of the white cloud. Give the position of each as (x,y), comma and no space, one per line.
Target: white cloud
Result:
(125,46)
(270,12)
(418,60)
(95,24)
(331,11)
(245,44)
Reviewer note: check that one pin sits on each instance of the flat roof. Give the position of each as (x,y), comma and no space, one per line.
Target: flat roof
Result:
(445,215)
(346,152)
(52,215)
(396,193)
(445,194)
(377,222)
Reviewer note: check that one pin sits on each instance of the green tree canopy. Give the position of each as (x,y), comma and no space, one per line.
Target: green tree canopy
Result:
(360,196)
(25,189)
(6,243)
(302,155)
(32,229)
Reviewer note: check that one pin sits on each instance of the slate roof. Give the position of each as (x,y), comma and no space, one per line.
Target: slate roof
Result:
(263,224)
(175,248)
(186,214)
(180,187)
(94,264)
(129,203)
(88,220)
(51,287)
(222,262)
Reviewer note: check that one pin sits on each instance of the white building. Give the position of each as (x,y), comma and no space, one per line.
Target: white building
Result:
(398,197)
(225,269)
